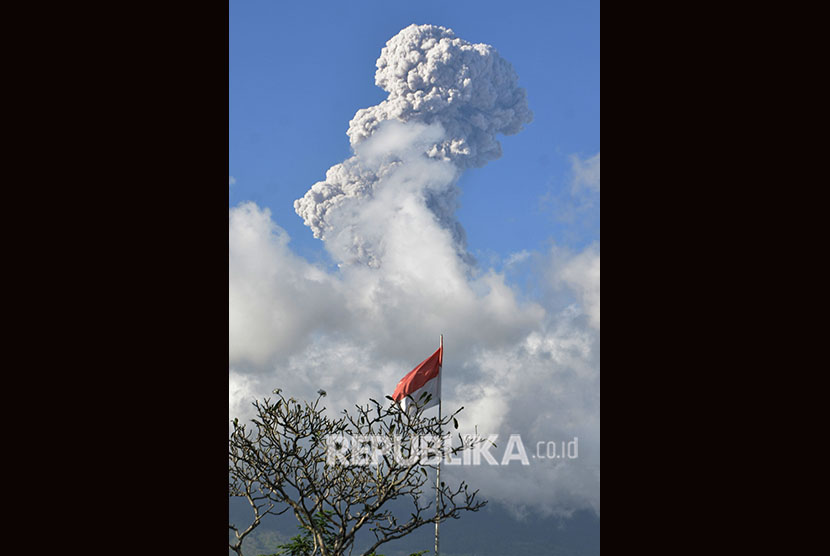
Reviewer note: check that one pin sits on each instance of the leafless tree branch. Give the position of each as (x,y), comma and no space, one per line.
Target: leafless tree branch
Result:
(283,461)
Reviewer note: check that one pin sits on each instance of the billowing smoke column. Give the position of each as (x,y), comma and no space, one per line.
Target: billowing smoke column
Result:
(449,98)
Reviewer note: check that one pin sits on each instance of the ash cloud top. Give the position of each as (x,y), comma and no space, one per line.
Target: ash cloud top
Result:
(448,99)
(433,76)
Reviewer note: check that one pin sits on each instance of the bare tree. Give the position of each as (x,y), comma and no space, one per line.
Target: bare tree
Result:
(346,469)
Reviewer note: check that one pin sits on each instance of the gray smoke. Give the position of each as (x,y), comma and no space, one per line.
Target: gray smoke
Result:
(448,99)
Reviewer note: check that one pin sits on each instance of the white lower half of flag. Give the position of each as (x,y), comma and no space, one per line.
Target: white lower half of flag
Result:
(431,388)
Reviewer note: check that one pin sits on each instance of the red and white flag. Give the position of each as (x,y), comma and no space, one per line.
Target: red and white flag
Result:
(425,378)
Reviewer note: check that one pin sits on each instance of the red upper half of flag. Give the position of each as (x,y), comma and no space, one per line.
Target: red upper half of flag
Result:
(420,375)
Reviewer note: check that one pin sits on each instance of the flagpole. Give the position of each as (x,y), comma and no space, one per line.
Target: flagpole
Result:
(440,443)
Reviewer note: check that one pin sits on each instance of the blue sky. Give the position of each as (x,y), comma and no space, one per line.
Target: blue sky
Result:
(299,71)
(521,325)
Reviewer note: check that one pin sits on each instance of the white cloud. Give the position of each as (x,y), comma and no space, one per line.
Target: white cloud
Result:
(275,298)
(231,181)
(582,274)
(242,390)
(575,201)
(516,258)
(585,173)
(518,367)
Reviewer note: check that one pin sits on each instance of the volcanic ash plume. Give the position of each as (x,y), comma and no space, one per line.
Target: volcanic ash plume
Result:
(447,101)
